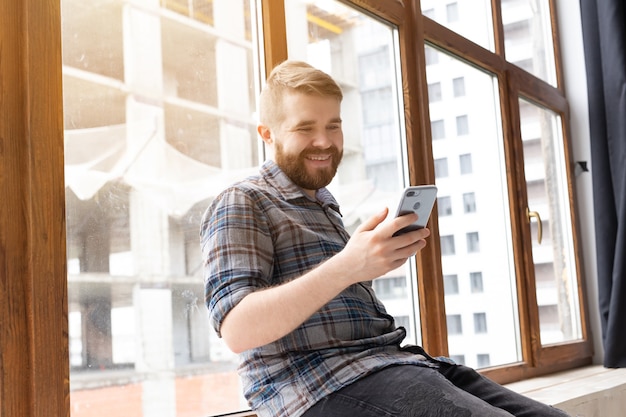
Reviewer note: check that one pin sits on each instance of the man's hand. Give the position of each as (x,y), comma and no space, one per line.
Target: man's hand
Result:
(373,250)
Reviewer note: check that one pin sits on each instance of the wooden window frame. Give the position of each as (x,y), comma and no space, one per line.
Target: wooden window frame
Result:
(34,360)
(34,357)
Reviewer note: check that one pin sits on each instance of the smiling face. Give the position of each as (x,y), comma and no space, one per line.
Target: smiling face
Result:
(308,141)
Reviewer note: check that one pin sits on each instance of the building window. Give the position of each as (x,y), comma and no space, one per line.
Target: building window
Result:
(480,323)
(444,206)
(437,129)
(469,202)
(434,92)
(390,288)
(465,161)
(451,284)
(462,125)
(455,325)
(458,87)
(447,245)
(459,359)
(441,168)
(473,244)
(476,282)
(483,360)
(452,12)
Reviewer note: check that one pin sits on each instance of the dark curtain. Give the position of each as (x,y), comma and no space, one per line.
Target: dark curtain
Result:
(604,37)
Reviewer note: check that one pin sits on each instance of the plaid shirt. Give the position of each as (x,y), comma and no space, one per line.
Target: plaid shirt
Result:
(265,231)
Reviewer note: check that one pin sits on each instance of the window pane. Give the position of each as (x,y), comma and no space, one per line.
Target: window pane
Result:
(454,324)
(482,224)
(444,206)
(528,37)
(437,128)
(434,92)
(469,202)
(462,125)
(480,323)
(441,168)
(546,182)
(465,162)
(358,51)
(469,18)
(458,87)
(476,282)
(451,284)
(159,105)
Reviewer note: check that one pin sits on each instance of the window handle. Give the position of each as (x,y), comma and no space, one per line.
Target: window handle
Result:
(535,214)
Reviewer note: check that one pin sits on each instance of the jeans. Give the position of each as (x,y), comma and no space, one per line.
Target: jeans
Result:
(419,391)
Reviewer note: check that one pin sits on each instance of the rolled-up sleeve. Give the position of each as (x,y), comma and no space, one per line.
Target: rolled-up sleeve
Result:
(237,251)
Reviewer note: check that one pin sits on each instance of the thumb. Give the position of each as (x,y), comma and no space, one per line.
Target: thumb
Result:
(372,222)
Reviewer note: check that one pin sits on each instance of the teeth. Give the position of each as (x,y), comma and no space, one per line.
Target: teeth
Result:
(318,158)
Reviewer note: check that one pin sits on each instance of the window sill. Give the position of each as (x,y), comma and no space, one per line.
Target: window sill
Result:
(588,391)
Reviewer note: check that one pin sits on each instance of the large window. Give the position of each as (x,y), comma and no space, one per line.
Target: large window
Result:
(159,105)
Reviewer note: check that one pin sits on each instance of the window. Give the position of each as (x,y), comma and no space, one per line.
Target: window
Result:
(460,359)
(187,111)
(434,92)
(455,325)
(465,161)
(438,129)
(480,323)
(476,282)
(447,245)
(432,57)
(444,206)
(473,245)
(483,360)
(390,288)
(451,284)
(462,125)
(458,86)
(469,202)
(441,168)
(452,12)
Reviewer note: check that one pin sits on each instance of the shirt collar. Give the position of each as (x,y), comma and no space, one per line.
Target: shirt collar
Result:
(274,176)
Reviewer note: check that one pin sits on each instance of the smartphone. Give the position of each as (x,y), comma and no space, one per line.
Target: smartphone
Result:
(418,199)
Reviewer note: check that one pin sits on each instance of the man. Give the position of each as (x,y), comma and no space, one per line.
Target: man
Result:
(290,291)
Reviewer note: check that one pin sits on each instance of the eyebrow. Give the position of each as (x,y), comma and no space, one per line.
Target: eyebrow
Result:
(305,123)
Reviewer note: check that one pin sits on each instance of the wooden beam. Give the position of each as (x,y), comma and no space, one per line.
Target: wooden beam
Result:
(34,369)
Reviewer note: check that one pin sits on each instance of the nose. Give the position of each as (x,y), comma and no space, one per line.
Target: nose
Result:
(322,140)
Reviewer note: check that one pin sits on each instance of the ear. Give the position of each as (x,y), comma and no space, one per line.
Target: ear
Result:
(266,134)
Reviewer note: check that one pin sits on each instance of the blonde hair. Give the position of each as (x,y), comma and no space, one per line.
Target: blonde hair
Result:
(293,76)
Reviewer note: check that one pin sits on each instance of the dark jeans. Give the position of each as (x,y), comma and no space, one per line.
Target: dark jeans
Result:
(418,391)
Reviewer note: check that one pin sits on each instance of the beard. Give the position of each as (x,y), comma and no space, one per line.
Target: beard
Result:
(295,168)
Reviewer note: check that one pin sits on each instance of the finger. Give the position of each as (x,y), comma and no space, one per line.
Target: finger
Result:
(412,249)
(409,238)
(402,221)
(372,222)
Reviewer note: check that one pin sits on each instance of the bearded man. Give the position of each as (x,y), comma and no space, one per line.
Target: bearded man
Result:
(290,291)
